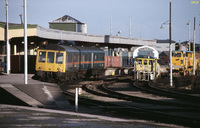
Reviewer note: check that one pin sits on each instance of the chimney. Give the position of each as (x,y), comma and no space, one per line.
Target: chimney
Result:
(21,18)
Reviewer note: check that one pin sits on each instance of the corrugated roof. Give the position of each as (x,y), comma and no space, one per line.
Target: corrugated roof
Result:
(164,53)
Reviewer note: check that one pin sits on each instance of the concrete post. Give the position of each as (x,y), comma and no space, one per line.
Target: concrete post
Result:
(7,41)
(76,99)
(129,56)
(25,46)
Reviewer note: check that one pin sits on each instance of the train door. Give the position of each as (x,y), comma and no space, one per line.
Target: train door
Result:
(50,61)
(59,65)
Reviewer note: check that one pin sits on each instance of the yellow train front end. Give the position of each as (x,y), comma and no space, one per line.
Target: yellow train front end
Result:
(178,61)
(146,68)
(50,63)
(144,64)
(182,62)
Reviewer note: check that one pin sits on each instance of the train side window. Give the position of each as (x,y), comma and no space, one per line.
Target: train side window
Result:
(59,58)
(42,56)
(176,54)
(50,57)
(83,58)
(69,58)
(96,56)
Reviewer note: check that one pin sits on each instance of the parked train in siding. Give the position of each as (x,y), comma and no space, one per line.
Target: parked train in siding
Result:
(182,62)
(146,68)
(68,62)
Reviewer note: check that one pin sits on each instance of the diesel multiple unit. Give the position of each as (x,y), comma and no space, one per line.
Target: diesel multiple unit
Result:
(68,62)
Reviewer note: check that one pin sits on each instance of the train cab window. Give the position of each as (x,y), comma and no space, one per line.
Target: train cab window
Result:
(150,62)
(42,56)
(189,55)
(59,58)
(176,54)
(145,62)
(139,61)
(50,57)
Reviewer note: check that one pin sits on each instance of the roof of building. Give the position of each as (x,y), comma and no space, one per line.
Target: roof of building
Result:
(164,41)
(66,19)
(164,53)
(3,24)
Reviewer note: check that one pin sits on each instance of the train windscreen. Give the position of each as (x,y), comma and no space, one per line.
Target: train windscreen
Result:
(50,57)
(42,57)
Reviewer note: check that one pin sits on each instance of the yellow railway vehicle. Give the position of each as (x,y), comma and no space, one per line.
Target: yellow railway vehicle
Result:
(182,62)
(66,63)
(146,68)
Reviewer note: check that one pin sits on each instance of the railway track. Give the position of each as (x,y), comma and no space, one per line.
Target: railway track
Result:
(98,95)
(149,88)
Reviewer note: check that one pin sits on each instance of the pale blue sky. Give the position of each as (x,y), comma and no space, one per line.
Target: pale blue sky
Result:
(147,16)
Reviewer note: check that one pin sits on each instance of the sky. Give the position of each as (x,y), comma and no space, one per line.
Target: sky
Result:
(146,16)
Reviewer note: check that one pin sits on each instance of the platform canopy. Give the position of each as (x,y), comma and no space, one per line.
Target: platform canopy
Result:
(16,31)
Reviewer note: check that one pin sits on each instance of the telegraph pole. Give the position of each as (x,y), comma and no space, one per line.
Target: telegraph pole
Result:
(7,42)
(25,46)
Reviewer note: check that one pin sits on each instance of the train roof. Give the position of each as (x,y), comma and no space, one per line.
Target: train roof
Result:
(71,48)
(145,56)
(59,48)
(181,51)
(90,49)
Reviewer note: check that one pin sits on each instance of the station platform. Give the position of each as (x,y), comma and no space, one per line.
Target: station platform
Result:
(35,93)
(41,104)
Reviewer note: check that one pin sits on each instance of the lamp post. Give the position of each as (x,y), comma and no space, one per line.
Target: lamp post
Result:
(170,44)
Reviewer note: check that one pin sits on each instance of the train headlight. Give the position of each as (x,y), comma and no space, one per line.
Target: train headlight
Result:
(58,69)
